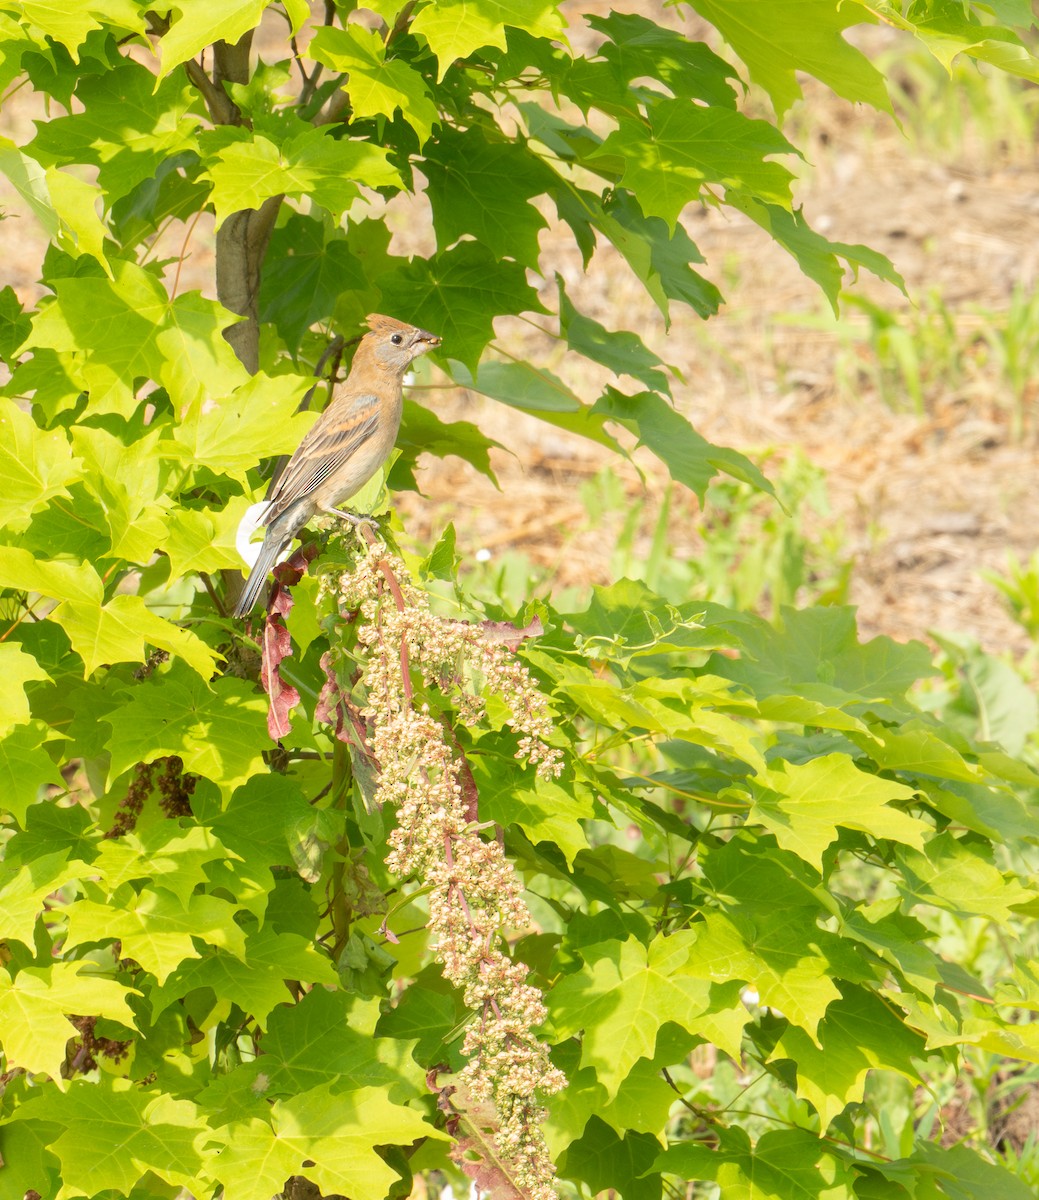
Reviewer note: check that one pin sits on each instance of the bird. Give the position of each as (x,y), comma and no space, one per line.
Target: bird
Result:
(344,447)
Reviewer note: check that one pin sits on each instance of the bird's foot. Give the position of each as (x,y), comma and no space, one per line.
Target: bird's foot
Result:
(360,522)
(355,519)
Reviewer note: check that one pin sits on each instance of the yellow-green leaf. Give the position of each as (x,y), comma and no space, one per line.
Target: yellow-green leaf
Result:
(121,631)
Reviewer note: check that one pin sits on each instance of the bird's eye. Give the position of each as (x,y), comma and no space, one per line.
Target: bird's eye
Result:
(396,339)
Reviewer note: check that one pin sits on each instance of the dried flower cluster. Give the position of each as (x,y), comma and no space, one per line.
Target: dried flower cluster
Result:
(474,895)
(174,787)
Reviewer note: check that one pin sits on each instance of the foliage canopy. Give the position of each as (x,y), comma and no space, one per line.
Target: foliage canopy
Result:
(746,871)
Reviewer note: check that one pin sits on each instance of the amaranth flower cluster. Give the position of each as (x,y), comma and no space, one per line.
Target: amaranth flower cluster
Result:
(474,895)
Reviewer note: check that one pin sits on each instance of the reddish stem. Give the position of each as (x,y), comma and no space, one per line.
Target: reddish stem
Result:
(398,598)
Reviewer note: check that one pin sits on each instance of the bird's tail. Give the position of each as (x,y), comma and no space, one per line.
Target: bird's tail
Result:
(276,540)
(273,547)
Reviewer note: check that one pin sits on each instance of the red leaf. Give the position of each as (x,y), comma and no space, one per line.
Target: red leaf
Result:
(511,635)
(277,646)
(329,702)
(470,792)
(477,1153)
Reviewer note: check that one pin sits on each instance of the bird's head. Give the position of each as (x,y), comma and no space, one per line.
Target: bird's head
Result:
(394,345)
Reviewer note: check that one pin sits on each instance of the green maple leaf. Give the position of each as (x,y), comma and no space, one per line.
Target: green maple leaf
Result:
(623,995)
(255,827)
(778,38)
(172,857)
(626,620)
(24,888)
(815,255)
(659,256)
(70,26)
(129,127)
(256,823)
(25,767)
(778,959)
(75,202)
(900,941)
(340,1133)
(668,159)
(992,812)
(804,803)
(859,1033)
(533,389)
(16,669)
(958,876)
(455,28)
(257,984)
(128,481)
(624,353)
(324,1040)
(16,41)
(120,631)
(679,708)
(33,1008)
(643,1101)
(948,30)
(113,1132)
(457,294)
(429,1015)
(30,181)
(28,1162)
(423,432)
(15,324)
(258,420)
(23,571)
(36,466)
(377,85)
(690,458)
(307,268)
(110,326)
(70,531)
(768,935)
(51,829)
(816,652)
(640,48)
(268,951)
(157,929)
(251,169)
(219,731)
(198,362)
(545,811)
(72,704)
(920,746)
(606,1160)
(482,188)
(965,1174)
(334,1133)
(196,24)
(783,1165)
(252,1162)
(199,540)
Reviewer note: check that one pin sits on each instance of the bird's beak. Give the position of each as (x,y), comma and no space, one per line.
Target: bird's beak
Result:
(430,340)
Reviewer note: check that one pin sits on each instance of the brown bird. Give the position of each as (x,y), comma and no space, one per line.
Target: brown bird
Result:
(344,447)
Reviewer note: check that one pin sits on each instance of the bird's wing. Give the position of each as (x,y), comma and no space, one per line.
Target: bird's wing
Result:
(331,441)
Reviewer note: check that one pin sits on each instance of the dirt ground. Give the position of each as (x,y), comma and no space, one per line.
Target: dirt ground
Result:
(924,502)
